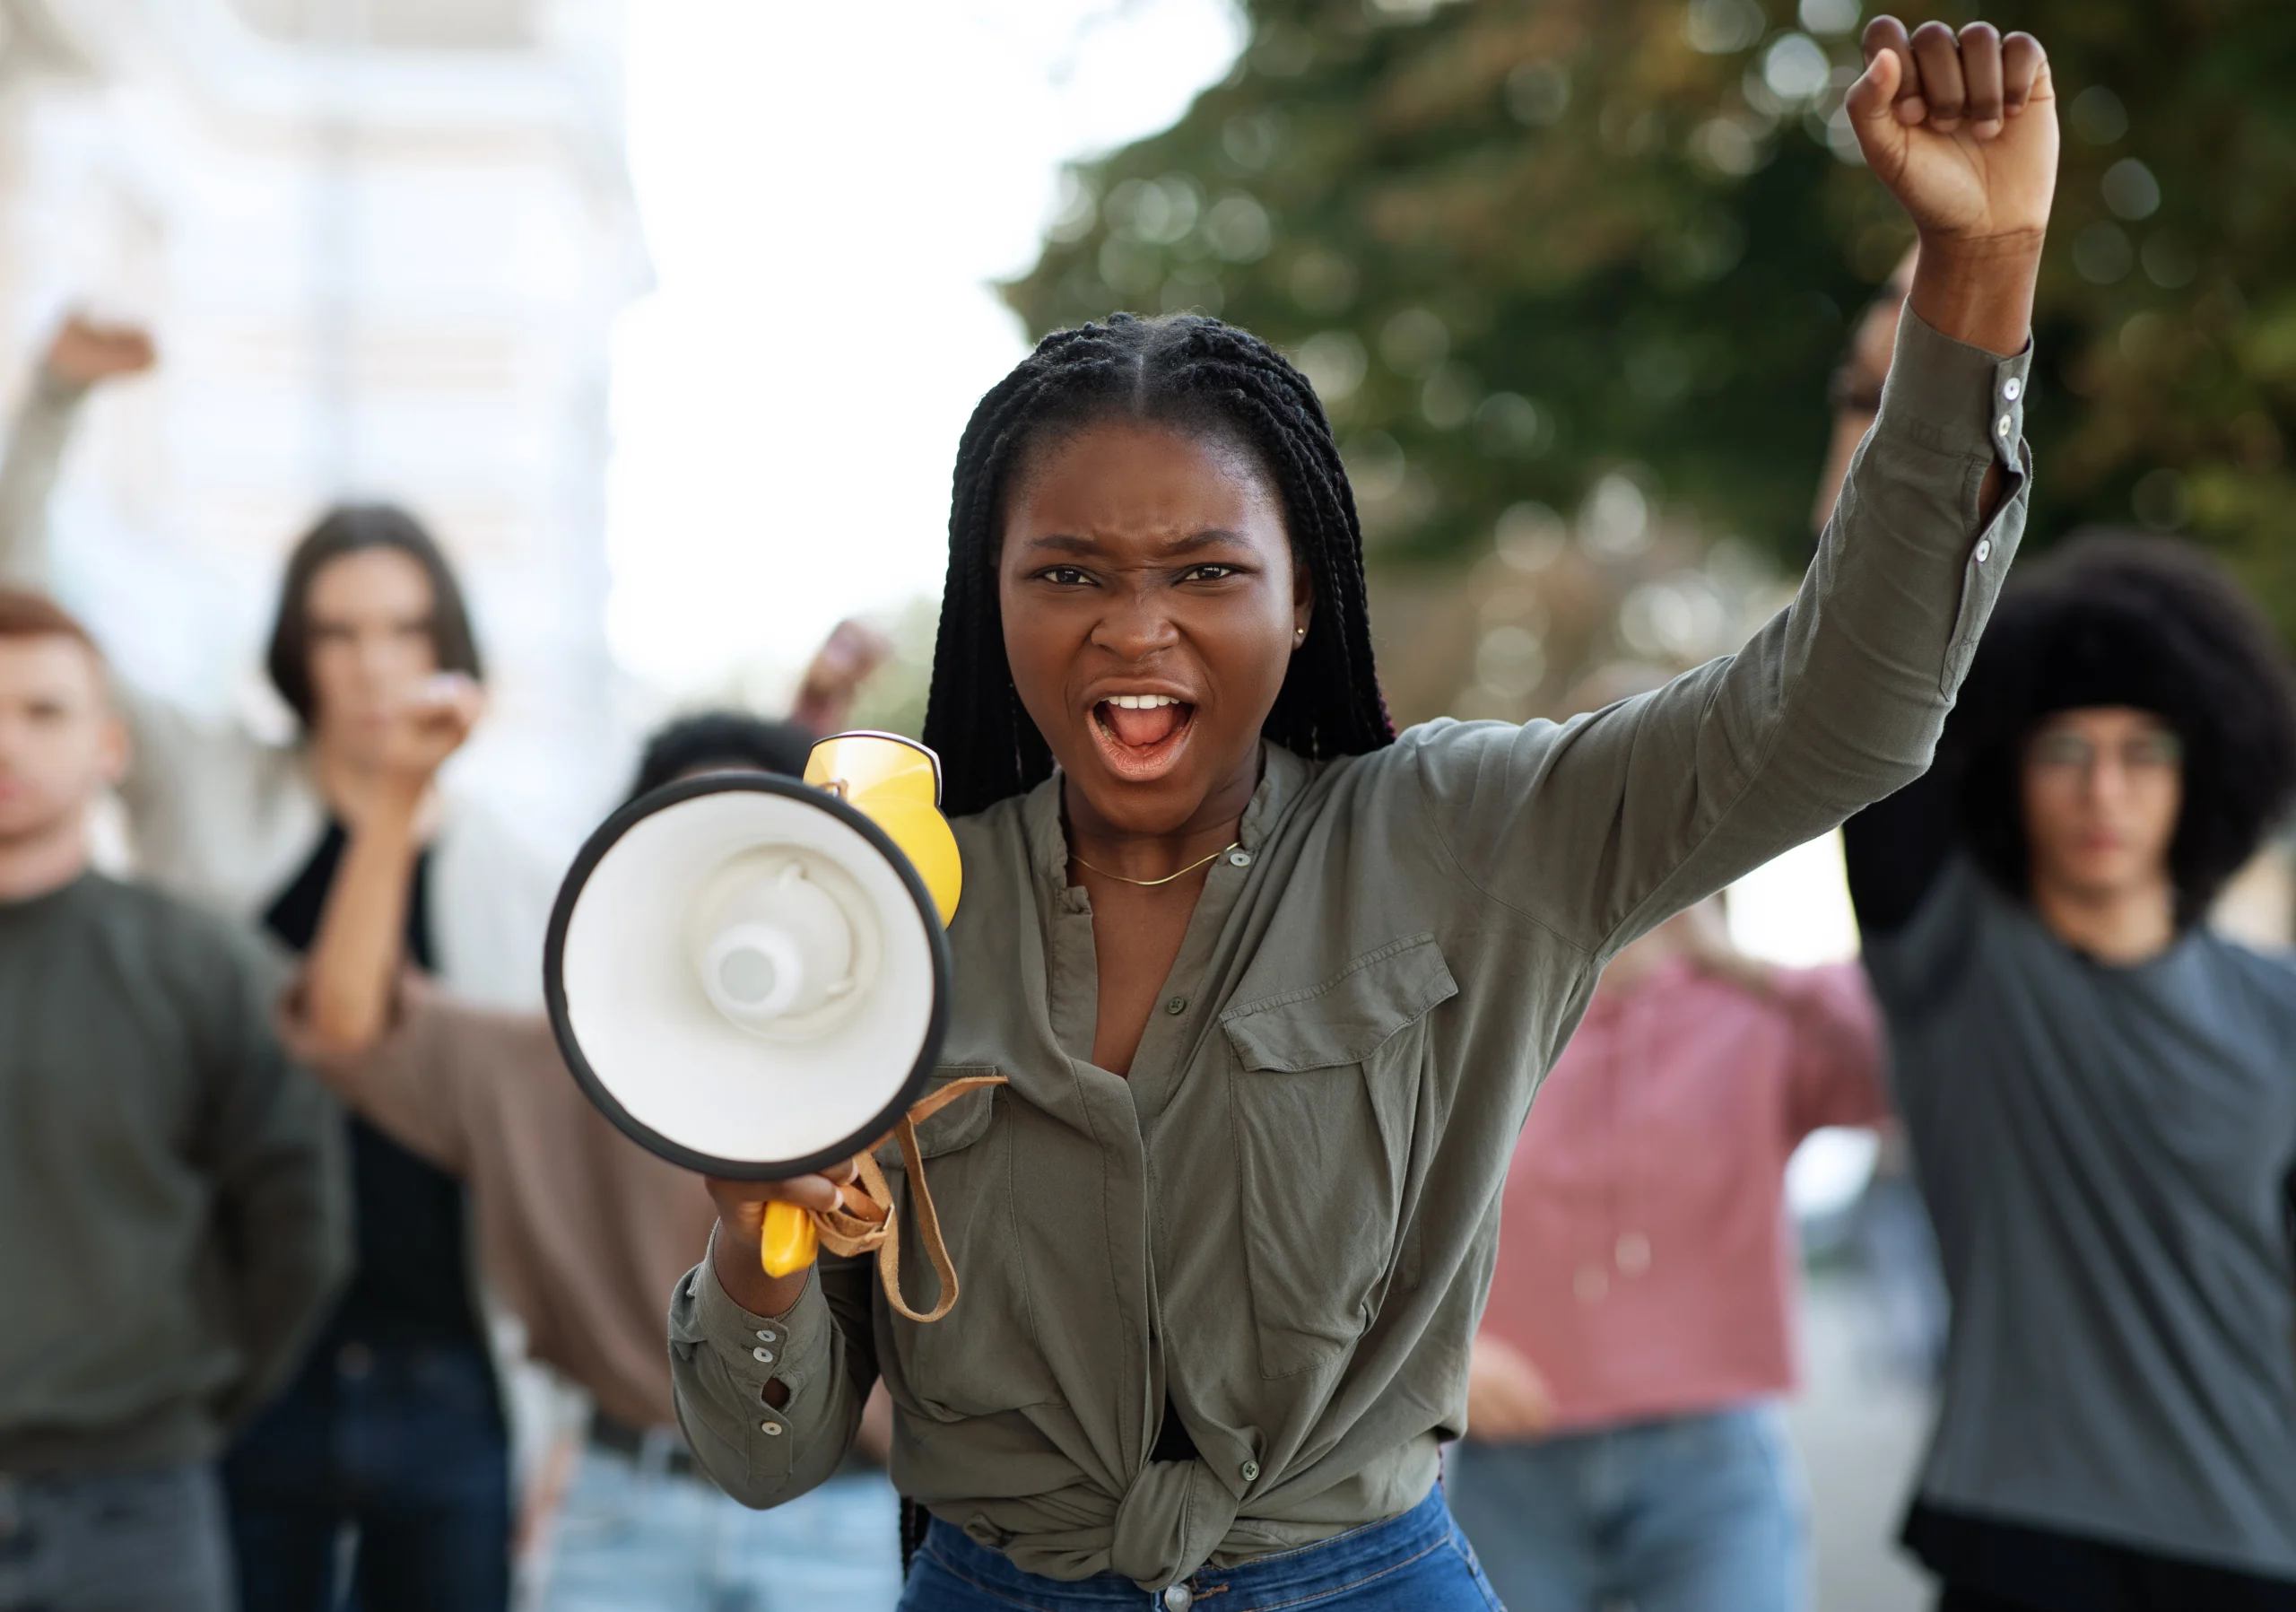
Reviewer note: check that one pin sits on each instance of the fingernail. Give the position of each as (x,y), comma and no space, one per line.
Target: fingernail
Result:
(1987,129)
(1912,109)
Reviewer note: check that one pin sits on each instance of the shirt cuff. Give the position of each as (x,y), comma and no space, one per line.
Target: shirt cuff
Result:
(1956,398)
(757,1349)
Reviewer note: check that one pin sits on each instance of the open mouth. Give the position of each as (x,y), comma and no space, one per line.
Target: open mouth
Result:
(1142,736)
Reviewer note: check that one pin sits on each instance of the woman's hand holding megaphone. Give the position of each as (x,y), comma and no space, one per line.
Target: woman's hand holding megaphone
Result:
(741,1233)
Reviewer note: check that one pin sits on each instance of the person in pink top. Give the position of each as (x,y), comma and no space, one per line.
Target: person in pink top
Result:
(1623,1438)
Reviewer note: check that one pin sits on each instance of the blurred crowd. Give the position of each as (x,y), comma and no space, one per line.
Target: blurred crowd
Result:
(326,1287)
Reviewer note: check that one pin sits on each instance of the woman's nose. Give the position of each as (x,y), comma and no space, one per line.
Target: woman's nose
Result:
(1134,626)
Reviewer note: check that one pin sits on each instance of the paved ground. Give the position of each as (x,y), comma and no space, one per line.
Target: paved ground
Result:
(1861,1434)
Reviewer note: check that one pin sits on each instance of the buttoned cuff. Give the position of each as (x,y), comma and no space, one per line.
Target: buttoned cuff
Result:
(757,1349)
(741,1439)
(1954,397)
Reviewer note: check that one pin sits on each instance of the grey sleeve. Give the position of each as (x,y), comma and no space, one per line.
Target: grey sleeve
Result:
(1916,966)
(1599,829)
(271,1141)
(35,456)
(722,1356)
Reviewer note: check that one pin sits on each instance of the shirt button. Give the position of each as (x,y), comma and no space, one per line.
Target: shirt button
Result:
(1984,550)
(771,1430)
(763,1355)
(1176,1006)
(2013,388)
(1178,1597)
(1250,1469)
(1591,1284)
(1239,858)
(2005,424)
(765,1335)
(1633,1254)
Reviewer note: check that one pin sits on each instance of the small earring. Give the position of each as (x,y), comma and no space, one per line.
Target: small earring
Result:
(1298,635)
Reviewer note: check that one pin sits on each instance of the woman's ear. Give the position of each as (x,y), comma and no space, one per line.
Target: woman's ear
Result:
(1303,603)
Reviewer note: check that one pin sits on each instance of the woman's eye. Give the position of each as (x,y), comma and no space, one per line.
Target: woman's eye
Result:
(1063,575)
(1208,574)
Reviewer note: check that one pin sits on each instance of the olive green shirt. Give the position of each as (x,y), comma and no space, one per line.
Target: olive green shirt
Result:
(1284,1219)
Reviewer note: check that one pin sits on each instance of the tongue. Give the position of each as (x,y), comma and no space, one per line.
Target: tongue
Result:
(1142,728)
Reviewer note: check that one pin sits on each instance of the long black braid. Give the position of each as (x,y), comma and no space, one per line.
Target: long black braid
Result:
(1195,374)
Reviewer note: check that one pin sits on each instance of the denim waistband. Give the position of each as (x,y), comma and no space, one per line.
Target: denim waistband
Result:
(1260,1585)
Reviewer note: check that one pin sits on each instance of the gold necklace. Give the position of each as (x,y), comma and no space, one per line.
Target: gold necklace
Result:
(1168,878)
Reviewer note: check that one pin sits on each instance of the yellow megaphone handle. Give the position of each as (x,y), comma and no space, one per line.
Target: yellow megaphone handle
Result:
(788,1243)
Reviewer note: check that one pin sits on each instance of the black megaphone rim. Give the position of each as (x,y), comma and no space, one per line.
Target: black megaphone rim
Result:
(594,850)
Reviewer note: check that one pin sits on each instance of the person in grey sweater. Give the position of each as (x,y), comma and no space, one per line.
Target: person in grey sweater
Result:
(173,1220)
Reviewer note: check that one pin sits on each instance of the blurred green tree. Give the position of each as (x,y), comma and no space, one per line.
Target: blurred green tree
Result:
(1525,248)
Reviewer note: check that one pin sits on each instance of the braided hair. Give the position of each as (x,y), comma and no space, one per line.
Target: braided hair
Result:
(1198,376)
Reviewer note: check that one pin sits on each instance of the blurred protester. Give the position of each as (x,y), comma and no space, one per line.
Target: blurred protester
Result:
(2100,1094)
(396,1426)
(1623,1438)
(2098,1089)
(585,1231)
(173,1222)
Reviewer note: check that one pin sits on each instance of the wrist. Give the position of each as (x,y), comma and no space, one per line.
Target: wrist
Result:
(58,388)
(386,818)
(740,1270)
(1979,289)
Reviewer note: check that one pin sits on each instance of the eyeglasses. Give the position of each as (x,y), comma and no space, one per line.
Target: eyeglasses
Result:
(2070,752)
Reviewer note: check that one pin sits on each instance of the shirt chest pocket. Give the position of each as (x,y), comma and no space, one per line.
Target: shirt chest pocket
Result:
(983,1357)
(1327,1088)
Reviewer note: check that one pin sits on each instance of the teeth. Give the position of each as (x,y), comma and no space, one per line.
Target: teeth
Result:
(1141,701)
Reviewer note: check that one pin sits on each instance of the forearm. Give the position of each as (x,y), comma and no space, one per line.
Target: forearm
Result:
(418,1079)
(355,957)
(743,1276)
(1837,1046)
(1833,704)
(771,1404)
(1840,700)
(1980,293)
(1850,425)
(35,455)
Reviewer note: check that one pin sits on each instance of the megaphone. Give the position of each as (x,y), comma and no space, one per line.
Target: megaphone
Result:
(747,974)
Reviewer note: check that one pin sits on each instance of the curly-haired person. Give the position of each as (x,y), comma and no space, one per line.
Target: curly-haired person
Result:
(2101,1093)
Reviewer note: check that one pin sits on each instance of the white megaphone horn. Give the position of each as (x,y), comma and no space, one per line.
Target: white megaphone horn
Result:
(747,974)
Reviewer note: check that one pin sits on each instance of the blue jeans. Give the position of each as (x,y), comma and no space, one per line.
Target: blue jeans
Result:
(1699,1514)
(149,1541)
(632,1537)
(401,1450)
(1418,1562)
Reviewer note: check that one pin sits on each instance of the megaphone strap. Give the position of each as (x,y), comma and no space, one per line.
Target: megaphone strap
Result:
(846,1232)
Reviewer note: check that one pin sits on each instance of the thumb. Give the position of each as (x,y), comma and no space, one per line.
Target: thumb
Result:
(1870,106)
